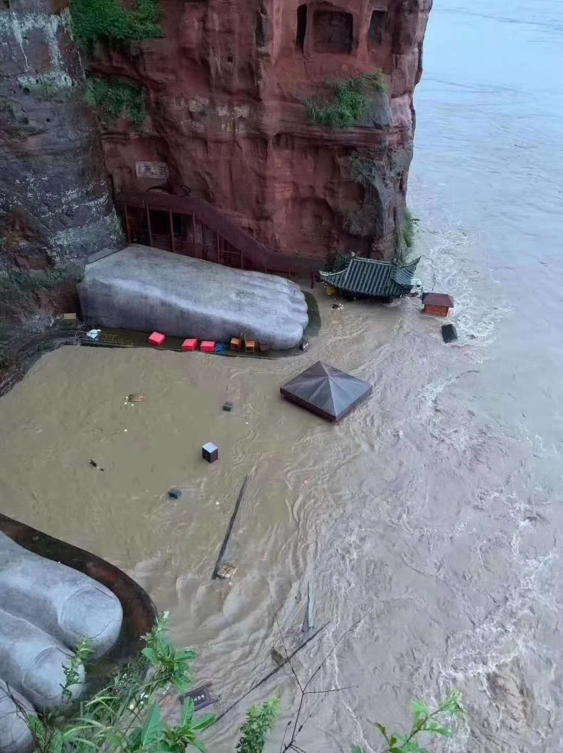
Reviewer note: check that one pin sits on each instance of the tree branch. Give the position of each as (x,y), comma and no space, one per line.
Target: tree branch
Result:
(333,649)
(273,672)
(305,692)
(287,655)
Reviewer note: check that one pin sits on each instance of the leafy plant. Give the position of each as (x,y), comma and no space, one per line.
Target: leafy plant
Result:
(426,722)
(125,716)
(112,98)
(109,21)
(82,655)
(346,101)
(259,723)
(408,229)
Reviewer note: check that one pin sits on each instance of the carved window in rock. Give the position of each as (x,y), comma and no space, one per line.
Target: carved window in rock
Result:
(301,27)
(333,31)
(377,28)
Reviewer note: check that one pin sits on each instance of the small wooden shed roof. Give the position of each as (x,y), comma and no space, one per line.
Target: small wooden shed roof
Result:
(438,299)
(326,391)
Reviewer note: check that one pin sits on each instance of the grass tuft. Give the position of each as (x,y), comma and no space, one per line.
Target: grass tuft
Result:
(113,98)
(107,21)
(346,102)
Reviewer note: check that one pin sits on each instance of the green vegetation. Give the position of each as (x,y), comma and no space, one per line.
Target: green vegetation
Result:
(408,229)
(425,722)
(346,101)
(259,723)
(82,654)
(405,238)
(108,21)
(113,98)
(125,716)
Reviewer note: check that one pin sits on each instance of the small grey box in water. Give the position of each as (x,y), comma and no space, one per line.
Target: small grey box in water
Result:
(449,333)
(228,406)
(174,493)
(210,452)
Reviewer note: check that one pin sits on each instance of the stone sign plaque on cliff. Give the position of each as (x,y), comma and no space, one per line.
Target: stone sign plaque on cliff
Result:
(152,170)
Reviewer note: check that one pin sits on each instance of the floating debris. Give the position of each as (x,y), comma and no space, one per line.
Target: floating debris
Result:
(309,623)
(135,397)
(449,333)
(200,696)
(279,658)
(226,571)
(337,306)
(210,452)
(95,465)
(219,562)
(437,304)
(228,406)
(94,334)
(174,493)
(157,339)
(273,672)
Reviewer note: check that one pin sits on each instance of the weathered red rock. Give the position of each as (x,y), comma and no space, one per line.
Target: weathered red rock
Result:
(225,90)
(55,208)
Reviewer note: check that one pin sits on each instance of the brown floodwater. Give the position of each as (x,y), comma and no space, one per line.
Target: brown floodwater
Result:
(436,506)
(398,510)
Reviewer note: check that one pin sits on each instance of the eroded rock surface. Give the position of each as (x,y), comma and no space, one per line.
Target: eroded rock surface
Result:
(226,89)
(55,208)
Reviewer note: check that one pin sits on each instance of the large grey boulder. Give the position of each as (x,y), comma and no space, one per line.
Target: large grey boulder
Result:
(147,289)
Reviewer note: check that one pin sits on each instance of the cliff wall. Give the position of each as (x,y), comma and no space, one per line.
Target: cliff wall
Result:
(225,92)
(55,208)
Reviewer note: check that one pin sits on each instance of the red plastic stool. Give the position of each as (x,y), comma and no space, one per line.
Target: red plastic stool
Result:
(157,338)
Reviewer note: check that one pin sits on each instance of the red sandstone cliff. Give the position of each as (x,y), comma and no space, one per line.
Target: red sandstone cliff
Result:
(225,91)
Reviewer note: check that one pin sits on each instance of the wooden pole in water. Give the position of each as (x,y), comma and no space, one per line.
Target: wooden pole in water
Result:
(229,530)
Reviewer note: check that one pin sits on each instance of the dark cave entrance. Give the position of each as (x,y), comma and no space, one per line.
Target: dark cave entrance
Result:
(377,28)
(333,31)
(301,27)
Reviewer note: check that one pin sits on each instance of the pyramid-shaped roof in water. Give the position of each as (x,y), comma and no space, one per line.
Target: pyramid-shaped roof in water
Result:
(326,391)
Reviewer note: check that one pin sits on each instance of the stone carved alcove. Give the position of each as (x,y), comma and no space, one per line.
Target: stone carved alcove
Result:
(333,31)
(377,27)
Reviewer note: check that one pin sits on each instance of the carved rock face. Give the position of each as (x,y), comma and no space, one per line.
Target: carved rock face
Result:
(47,609)
(226,90)
(147,289)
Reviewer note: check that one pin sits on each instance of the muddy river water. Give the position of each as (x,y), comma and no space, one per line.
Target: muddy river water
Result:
(437,505)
